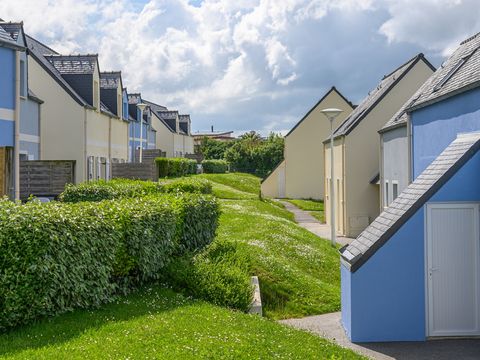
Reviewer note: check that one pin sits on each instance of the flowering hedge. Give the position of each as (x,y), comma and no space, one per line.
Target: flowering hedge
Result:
(175,167)
(123,188)
(58,256)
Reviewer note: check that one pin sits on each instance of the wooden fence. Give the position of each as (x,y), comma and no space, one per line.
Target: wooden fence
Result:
(45,177)
(144,171)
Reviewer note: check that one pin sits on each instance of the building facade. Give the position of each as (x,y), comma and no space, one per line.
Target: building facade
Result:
(357,148)
(296,177)
(414,273)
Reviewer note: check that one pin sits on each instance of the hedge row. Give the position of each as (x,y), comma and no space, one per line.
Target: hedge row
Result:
(175,167)
(123,188)
(214,166)
(57,256)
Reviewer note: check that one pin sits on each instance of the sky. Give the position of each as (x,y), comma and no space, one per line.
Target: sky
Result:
(248,64)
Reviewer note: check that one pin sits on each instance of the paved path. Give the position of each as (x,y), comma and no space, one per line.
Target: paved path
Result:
(328,326)
(307,221)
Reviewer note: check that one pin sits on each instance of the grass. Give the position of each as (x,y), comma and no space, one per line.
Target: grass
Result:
(156,323)
(298,272)
(315,207)
(239,181)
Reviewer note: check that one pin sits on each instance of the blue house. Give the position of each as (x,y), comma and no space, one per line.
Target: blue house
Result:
(29,102)
(10,90)
(414,273)
(134,128)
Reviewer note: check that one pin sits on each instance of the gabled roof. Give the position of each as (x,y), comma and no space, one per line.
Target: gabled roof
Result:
(411,199)
(74,64)
(106,110)
(110,79)
(168,114)
(332,89)
(376,95)
(38,51)
(155,109)
(459,73)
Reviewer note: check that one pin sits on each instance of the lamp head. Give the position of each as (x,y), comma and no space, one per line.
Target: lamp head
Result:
(142,106)
(331,113)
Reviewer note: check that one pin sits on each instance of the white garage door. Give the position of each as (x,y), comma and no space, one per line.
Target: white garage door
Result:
(453,269)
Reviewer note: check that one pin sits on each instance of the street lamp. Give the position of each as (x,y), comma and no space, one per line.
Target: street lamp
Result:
(331,115)
(142,107)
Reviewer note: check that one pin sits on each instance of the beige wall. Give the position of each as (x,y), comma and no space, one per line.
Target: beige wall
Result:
(304,161)
(164,139)
(362,151)
(119,139)
(273,186)
(62,128)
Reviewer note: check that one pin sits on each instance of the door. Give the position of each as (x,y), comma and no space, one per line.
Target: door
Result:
(453,269)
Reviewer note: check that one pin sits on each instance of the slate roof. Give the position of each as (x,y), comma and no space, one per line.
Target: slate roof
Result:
(184,118)
(40,52)
(110,79)
(376,95)
(134,98)
(7,40)
(183,128)
(332,89)
(460,72)
(156,109)
(168,114)
(73,64)
(13,29)
(411,199)
(105,109)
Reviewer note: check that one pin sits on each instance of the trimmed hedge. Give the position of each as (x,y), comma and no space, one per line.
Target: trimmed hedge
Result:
(214,166)
(58,256)
(123,188)
(175,167)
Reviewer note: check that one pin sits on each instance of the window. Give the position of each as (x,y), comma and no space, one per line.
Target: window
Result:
(23,91)
(387,201)
(394,190)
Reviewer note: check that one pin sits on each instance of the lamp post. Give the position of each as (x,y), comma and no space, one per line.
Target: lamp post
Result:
(142,107)
(331,115)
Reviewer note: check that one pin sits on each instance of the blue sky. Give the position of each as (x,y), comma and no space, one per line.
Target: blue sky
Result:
(250,64)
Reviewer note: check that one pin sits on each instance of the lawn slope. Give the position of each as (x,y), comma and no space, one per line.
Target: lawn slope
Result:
(158,324)
(298,272)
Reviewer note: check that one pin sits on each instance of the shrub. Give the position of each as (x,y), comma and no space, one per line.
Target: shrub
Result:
(215,166)
(219,274)
(187,185)
(123,188)
(175,167)
(58,256)
(105,190)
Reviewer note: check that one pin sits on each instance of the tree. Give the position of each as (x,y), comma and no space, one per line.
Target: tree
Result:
(214,149)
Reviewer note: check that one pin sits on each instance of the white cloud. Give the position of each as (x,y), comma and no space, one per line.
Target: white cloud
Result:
(437,25)
(252,63)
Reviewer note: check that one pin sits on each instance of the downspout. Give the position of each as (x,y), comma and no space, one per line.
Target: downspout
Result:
(85,160)
(410,149)
(16,149)
(109,163)
(382,174)
(344,175)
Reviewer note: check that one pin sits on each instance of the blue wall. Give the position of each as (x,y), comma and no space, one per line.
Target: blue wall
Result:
(436,126)
(384,300)
(7,80)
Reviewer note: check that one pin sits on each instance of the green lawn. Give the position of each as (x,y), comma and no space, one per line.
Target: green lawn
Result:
(299,273)
(158,324)
(240,181)
(315,207)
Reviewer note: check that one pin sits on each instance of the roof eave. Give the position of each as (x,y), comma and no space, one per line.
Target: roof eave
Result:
(392,127)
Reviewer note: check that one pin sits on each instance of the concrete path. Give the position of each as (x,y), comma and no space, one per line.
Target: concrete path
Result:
(307,221)
(328,326)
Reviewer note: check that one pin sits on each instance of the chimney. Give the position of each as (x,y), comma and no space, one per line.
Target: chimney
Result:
(212,128)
